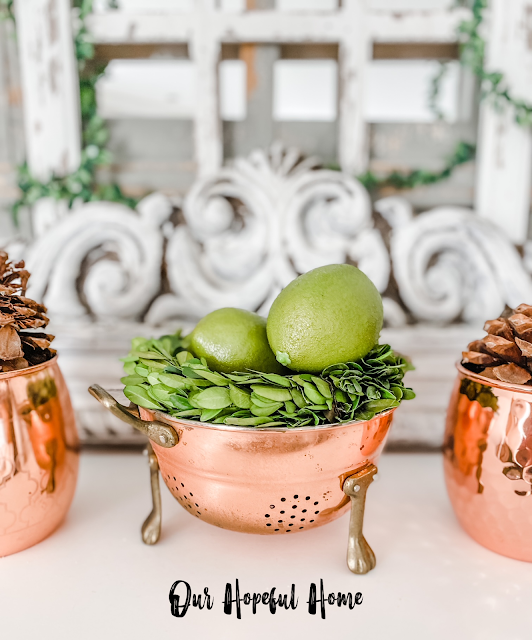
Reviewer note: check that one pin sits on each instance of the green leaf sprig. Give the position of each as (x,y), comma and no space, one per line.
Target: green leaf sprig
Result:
(161,374)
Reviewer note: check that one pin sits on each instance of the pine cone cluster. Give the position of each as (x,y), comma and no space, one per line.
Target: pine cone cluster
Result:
(505,354)
(20,345)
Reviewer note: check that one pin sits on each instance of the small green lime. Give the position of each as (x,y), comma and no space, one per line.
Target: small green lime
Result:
(328,315)
(234,340)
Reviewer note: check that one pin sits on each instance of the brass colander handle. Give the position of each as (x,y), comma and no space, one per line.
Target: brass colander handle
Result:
(162,434)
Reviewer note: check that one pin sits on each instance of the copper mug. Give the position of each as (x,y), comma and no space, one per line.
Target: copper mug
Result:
(39,455)
(488,462)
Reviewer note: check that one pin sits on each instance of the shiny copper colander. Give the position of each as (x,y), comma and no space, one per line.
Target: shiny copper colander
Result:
(267,481)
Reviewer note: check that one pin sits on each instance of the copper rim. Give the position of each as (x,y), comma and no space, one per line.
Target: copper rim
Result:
(4,375)
(489,382)
(164,417)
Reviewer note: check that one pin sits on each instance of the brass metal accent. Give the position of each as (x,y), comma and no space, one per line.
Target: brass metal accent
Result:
(162,434)
(151,529)
(360,556)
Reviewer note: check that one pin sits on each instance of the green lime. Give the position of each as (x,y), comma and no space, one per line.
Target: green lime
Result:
(234,340)
(328,315)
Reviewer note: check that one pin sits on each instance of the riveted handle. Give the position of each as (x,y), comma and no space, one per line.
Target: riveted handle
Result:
(162,434)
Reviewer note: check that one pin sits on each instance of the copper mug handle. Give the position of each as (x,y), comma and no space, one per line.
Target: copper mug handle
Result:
(162,434)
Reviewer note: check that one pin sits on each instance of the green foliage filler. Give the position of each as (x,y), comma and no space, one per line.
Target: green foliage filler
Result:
(163,375)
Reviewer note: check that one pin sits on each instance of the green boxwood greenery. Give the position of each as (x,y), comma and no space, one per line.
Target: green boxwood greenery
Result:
(161,374)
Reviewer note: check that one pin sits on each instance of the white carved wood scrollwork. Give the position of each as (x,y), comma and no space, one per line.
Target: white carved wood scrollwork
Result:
(451,265)
(101,261)
(247,231)
(255,226)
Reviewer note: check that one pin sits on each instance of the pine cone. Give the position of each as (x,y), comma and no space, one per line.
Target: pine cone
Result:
(505,354)
(20,347)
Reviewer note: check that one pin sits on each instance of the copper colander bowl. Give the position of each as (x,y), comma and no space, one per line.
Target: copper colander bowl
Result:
(267,481)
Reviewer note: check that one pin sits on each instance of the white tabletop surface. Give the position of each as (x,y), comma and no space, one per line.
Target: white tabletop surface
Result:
(94,579)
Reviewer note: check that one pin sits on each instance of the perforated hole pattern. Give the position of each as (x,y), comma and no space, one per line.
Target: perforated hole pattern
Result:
(291,513)
(287,514)
(184,497)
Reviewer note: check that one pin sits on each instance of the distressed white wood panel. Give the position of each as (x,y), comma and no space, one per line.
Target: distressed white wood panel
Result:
(502,192)
(350,26)
(205,50)
(505,154)
(437,25)
(354,55)
(50,86)
(268,26)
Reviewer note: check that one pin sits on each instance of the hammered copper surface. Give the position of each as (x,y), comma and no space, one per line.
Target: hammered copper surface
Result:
(39,454)
(488,462)
(266,481)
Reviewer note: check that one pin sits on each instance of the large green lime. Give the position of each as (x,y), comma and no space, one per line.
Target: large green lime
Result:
(328,315)
(234,340)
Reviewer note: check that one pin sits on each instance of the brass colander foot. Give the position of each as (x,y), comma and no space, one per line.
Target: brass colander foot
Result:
(151,529)
(360,556)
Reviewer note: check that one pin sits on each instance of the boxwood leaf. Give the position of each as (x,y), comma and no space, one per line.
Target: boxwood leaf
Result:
(213,398)
(179,402)
(148,355)
(276,379)
(259,401)
(141,370)
(322,387)
(265,411)
(272,393)
(183,356)
(129,367)
(290,407)
(298,398)
(213,376)
(132,379)
(189,413)
(313,395)
(209,414)
(154,365)
(172,380)
(139,395)
(247,422)
(239,397)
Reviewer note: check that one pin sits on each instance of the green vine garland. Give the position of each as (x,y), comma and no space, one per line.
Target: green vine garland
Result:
(82,183)
(494,85)
(6,10)
(435,90)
